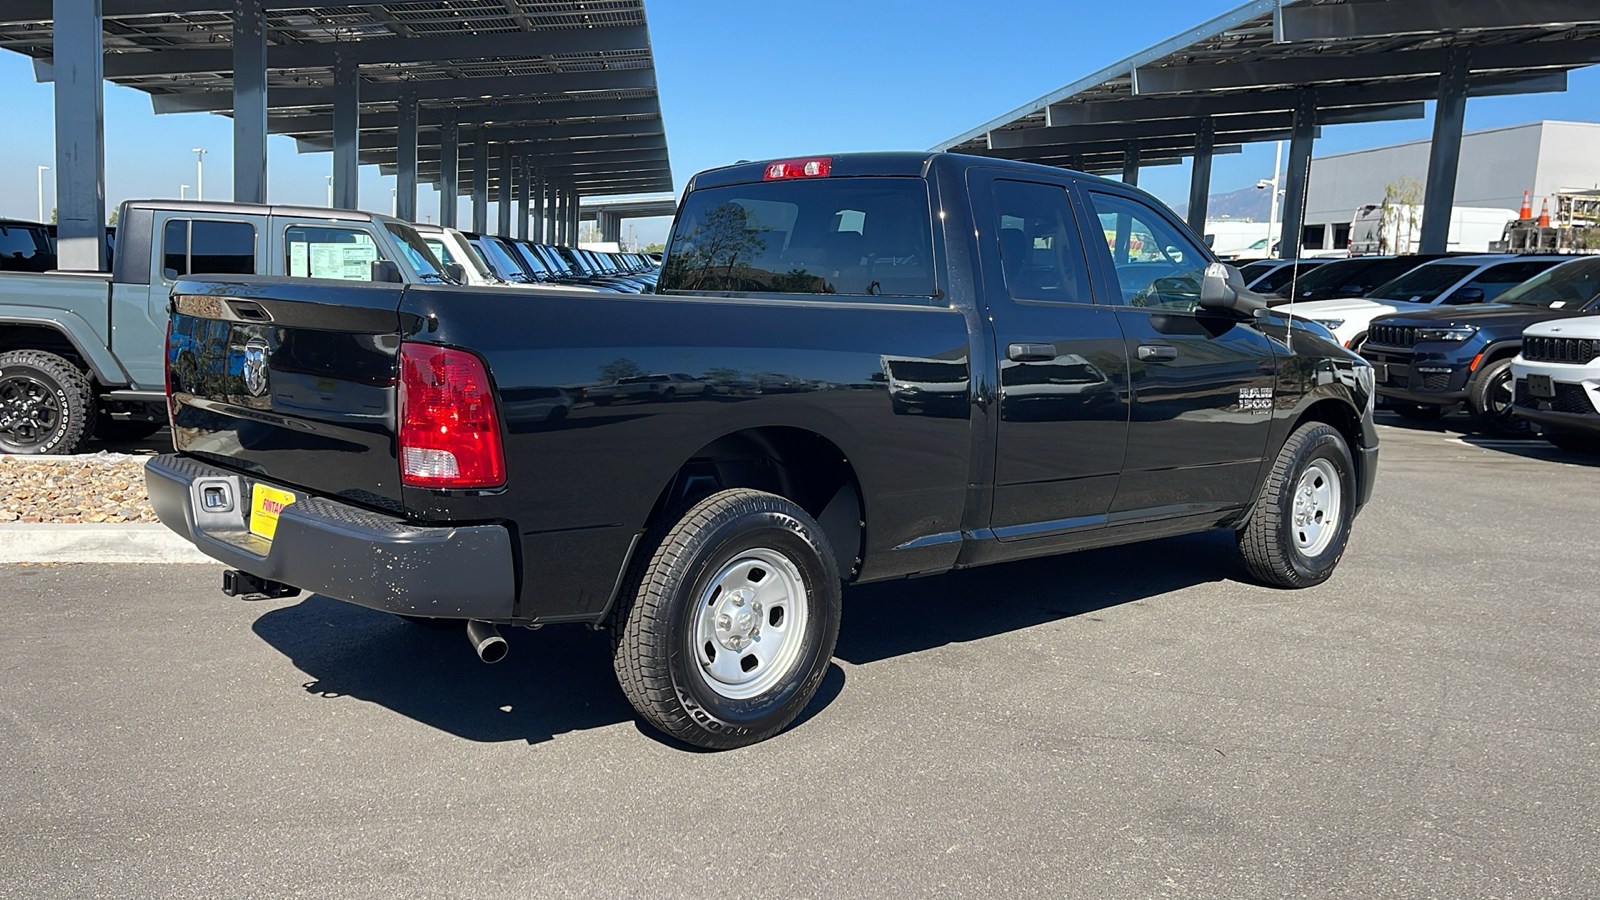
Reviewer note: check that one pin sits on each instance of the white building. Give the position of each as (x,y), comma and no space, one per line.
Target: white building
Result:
(1497,165)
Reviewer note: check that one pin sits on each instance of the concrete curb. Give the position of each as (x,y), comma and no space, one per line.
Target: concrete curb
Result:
(131,543)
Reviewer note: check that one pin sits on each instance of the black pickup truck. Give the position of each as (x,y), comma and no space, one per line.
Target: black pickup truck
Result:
(902,364)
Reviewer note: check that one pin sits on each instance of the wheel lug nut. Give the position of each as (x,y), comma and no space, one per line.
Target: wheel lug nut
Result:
(724,622)
(738,600)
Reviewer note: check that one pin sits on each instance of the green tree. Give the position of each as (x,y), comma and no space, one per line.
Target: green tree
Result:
(114,211)
(656,247)
(1401,216)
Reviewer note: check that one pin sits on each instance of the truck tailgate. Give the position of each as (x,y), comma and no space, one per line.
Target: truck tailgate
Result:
(296,392)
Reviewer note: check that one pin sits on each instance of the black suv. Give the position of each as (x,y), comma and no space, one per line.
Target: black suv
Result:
(1430,361)
(1356,277)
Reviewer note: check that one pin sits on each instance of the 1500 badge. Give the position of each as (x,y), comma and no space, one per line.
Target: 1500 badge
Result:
(1255,399)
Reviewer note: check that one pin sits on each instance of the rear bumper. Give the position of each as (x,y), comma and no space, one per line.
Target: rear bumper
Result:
(342,551)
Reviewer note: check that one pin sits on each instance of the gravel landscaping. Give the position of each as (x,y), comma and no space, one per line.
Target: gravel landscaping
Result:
(92,488)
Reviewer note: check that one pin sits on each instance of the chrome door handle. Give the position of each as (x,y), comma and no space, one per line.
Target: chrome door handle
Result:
(1031,352)
(1157,352)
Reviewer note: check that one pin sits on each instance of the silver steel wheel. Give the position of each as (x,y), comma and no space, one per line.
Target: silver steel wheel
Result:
(750,624)
(1318,504)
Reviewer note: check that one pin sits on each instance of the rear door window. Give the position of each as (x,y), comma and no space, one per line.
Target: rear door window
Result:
(322,251)
(207,247)
(848,236)
(1423,284)
(1041,256)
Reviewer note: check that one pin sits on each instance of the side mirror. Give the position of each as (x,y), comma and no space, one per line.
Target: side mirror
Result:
(1466,295)
(456,272)
(1349,290)
(385,271)
(1222,289)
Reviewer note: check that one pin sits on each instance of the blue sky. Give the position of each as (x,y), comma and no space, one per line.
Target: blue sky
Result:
(743,80)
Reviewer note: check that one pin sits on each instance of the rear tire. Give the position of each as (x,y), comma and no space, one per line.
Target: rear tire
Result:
(728,620)
(1490,402)
(46,406)
(1301,522)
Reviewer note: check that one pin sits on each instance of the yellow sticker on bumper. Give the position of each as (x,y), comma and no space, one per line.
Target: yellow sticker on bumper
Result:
(265,505)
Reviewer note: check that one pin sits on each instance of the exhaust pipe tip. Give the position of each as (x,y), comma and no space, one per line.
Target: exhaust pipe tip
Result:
(486,641)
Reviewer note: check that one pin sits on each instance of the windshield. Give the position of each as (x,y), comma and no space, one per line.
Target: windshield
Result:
(1257,269)
(1423,284)
(417,252)
(529,259)
(504,265)
(1284,276)
(1572,285)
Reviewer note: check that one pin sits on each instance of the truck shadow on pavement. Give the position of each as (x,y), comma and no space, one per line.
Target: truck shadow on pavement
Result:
(559,679)
(897,618)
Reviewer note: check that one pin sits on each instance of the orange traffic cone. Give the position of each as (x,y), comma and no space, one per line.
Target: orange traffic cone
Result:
(1544,213)
(1527,207)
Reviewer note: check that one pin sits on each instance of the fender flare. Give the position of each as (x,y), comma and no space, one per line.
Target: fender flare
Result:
(102,364)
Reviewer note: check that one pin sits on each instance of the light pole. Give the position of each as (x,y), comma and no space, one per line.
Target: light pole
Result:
(183,192)
(330,190)
(1272,184)
(199,173)
(42,170)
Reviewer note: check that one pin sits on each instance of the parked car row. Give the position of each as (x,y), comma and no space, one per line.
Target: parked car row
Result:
(1444,333)
(1431,359)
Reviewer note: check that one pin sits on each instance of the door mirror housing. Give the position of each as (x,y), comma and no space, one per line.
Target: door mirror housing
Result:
(1350,290)
(457,272)
(1222,289)
(385,271)
(1466,295)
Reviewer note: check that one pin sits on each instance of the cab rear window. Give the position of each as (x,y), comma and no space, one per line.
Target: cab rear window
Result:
(850,237)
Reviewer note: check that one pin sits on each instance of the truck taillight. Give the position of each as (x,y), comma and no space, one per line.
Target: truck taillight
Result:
(799,168)
(449,429)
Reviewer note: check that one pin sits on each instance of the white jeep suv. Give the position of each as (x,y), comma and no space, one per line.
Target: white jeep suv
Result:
(1557,381)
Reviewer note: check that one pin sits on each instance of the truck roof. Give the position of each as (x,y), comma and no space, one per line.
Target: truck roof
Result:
(914,163)
(261,209)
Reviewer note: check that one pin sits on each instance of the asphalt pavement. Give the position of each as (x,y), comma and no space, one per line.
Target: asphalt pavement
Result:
(1136,722)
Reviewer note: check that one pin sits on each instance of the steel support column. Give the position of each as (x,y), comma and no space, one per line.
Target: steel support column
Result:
(449,171)
(540,231)
(577,217)
(346,133)
(1130,164)
(1444,158)
(249,102)
(558,227)
(1200,177)
(405,206)
(524,176)
(1302,137)
(506,192)
(480,184)
(80,136)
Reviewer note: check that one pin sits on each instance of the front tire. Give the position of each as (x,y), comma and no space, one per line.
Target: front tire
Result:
(1301,522)
(1490,402)
(730,619)
(46,405)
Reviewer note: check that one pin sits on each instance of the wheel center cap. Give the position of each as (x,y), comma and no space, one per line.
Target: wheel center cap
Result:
(738,619)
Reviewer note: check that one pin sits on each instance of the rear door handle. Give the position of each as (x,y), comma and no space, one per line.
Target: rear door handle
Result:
(1157,352)
(1031,352)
